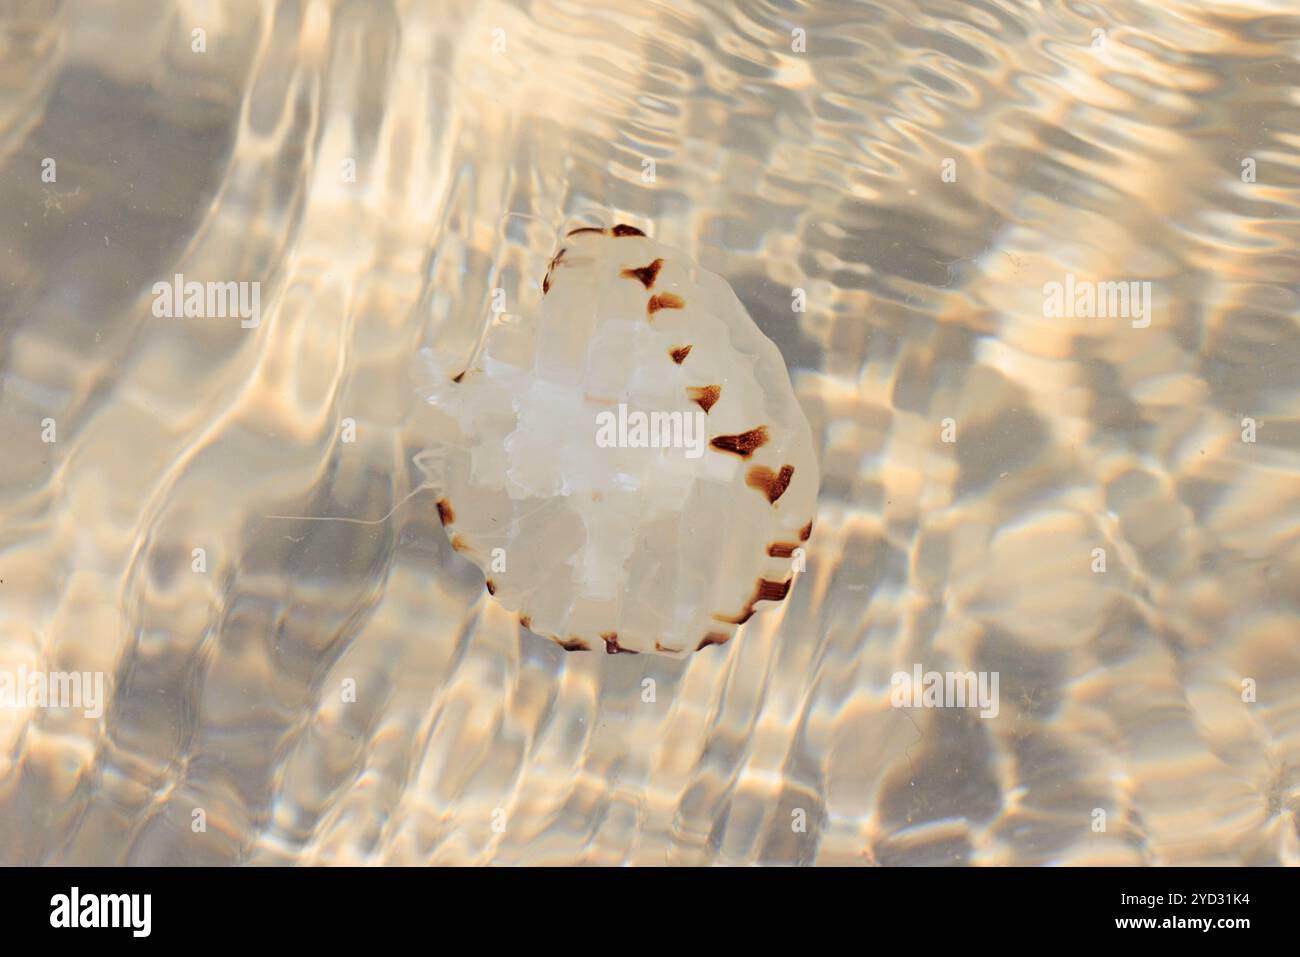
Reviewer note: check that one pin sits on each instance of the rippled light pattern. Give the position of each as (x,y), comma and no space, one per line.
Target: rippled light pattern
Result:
(1098,507)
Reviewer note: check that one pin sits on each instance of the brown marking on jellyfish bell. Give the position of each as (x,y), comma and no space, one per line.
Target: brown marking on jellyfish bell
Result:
(573,644)
(645,274)
(550,268)
(610,638)
(764,591)
(772,591)
(781,549)
(679,354)
(458,543)
(585,229)
(770,483)
(665,649)
(713,638)
(743,444)
(805,533)
(664,300)
(526,622)
(459,375)
(705,396)
(491,586)
(623,229)
(445,514)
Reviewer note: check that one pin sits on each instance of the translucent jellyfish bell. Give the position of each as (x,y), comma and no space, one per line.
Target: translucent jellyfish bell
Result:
(629,467)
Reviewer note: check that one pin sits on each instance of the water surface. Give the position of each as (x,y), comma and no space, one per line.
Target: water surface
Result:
(333,692)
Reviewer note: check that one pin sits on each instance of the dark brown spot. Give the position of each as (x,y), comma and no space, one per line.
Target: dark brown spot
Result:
(573,644)
(679,354)
(445,514)
(585,229)
(743,444)
(458,376)
(610,638)
(770,483)
(772,591)
(646,274)
(666,649)
(526,622)
(491,586)
(805,533)
(622,229)
(664,300)
(713,638)
(705,396)
(781,549)
(555,261)
(764,591)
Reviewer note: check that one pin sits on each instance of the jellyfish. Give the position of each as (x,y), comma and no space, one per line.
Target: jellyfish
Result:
(628,466)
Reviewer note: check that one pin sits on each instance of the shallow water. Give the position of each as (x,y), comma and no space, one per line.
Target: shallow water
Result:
(921,170)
